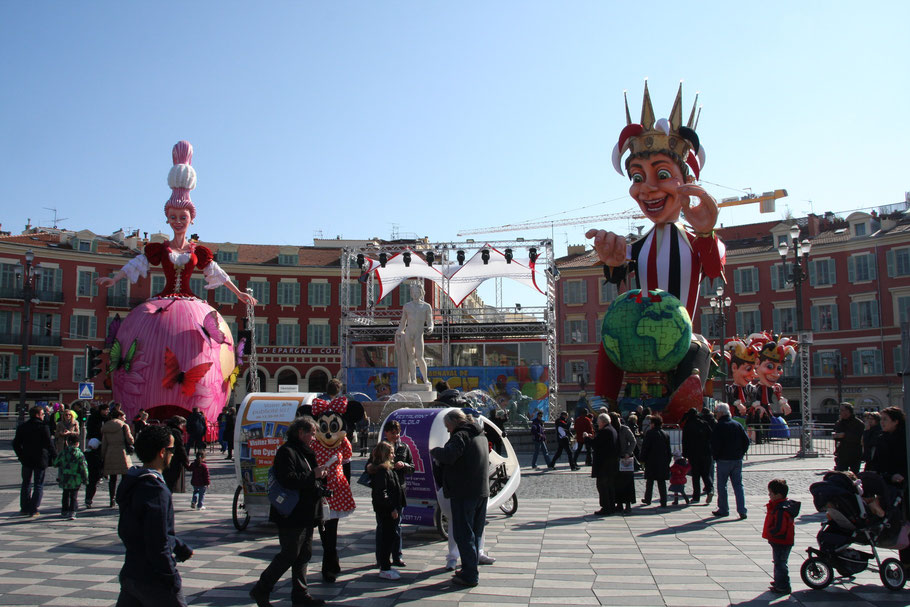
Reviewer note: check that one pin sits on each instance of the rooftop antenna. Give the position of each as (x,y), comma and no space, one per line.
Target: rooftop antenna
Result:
(56,219)
(394,231)
(317,233)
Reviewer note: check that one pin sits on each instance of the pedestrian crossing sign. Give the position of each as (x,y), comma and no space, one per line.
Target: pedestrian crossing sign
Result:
(86,390)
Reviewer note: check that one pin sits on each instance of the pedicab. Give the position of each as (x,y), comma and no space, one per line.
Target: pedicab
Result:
(423,430)
(262,422)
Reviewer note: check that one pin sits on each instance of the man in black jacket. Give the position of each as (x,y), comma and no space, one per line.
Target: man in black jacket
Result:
(149,577)
(605,464)
(195,428)
(95,420)
(562,440)
(729,444)
(848,438)
(295,469)
(35,449)
(696,447)
(465,481)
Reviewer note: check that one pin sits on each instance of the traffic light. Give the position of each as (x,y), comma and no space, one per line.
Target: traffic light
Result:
(93,363)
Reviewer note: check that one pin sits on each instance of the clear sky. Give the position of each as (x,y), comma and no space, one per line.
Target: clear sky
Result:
(351,118)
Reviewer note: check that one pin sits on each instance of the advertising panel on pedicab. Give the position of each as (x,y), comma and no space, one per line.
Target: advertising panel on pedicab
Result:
(416,429)
(262,424)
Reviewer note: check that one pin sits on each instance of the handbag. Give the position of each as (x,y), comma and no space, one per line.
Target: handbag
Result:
(284,500)
(627,464)
(126,445)
(364,479)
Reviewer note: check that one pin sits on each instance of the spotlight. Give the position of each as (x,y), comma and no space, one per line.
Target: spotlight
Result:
(518,307)
(532,254)
(406,257)
(485,256)
(360,260)
(431,257)
(460,258)
(508,255)
(383,258)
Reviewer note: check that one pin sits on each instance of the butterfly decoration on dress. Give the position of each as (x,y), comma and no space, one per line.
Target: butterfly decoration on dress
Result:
(112,331)
(211,330)
(231,380)
(238,351)
(119,359)
(186,379)
(164,309)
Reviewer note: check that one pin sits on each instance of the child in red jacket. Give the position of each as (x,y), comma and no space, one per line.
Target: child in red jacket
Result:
(778,531)
(199,481)
(678,472)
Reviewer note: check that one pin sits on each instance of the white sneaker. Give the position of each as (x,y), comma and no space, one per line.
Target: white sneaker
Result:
(451,564)
(201,507)
(485,559)
(391,574)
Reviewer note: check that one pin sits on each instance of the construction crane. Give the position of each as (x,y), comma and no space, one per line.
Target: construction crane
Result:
(766,200)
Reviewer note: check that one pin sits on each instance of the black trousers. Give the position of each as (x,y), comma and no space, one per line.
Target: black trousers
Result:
(606,489)
(583,444)
(563,446)
(661,489)
(328,535)
(296,549)
(701,473)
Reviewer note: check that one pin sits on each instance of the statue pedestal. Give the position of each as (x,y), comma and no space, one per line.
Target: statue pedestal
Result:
(422,392)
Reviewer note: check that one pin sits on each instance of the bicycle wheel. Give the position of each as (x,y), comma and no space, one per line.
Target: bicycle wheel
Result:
(892,574)
(510,506)
(816,573)
(239,512)
(442,523)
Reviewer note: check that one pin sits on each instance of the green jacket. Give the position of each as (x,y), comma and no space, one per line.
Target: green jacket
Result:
(73,471)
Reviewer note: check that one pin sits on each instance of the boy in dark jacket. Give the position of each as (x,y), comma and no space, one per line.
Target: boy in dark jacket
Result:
(72,474)
(149,575)
(778,530)
(388,502)
(200,481)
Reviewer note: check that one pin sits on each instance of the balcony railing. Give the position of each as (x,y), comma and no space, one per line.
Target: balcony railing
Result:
(35,340)
(123,301)
(18,293)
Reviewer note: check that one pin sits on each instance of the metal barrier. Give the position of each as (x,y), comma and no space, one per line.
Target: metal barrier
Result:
(775,440)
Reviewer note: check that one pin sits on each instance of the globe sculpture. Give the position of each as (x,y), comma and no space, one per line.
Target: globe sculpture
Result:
(646,332)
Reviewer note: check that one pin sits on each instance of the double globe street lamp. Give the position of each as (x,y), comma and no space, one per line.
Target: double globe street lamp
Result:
(30,274)
(799,272)
(720,305)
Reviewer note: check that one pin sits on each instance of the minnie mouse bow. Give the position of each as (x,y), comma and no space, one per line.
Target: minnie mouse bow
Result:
(339,405)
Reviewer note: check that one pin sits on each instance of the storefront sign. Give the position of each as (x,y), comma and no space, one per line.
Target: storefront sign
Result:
(273,350)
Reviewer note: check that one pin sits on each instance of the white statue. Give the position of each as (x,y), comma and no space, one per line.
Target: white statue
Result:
(416,318)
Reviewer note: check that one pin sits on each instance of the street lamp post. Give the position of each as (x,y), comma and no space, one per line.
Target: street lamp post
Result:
(799,272)
(722,304)
(30,274)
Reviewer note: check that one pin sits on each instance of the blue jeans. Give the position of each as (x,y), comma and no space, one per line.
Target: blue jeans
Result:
(469,515)
(731,469)
(30,500)
(781,554)
(199,495)
(538,447)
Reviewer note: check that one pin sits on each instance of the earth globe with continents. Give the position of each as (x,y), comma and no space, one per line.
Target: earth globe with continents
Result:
(646,332)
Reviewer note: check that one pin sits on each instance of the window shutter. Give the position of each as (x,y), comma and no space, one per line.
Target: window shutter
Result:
(816,364)
(58,279)
(565,291)
(775,320)
(832,272)
(889,259)
(851,269)
(53,368)
(878,362)
(295,334)
(736,281)
(816,321)
(73,325)
(33,368)
(874,306)
(55,325)
(813,279)
(873,262)
(567,332)
(94,284)
(739,323)
(854,316)
(835,325)
(755,283)
(16,326)
(774,277)
(857,368)
(14,364)
(93,327)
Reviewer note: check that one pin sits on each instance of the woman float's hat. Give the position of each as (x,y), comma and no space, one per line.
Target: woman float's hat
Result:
(661,136)
(181,179)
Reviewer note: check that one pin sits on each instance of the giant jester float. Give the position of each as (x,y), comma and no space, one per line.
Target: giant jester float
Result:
(648,342)
(174,352)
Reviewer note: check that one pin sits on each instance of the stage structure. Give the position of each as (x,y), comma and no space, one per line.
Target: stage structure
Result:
(461,329)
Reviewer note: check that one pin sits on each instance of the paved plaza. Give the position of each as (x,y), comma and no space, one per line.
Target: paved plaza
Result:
(551,552)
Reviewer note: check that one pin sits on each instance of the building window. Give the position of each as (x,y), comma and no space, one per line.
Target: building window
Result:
(710,325)
(319,294)
(783,320)
(745,280)
(46,325)
(864,314)
(576,331)
(861,267)
(318,335)
(575,292)
(867,362)
(86,286)
(197,286)
(157,284)
(574,369)
(10,325)
(287,260)
(859,229)
(708,286)
(354,294)
(385,301)
(223,295)
(51,280)
(781,275)
(608,292)
(824,317)
(79,369)
(287,335)
(783,238)
(903,310)
(8,364)
(824,364)
(43,367)
(262,333)
(8,283)
(748,322)
(85,245)
(227,256)
(288,294)
(898,262)
(822,272)
(83,326)
(260,290)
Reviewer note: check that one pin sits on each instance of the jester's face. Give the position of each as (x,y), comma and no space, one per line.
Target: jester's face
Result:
(383,390)
(743,373)
(769,372)
(654,184)
(330,429)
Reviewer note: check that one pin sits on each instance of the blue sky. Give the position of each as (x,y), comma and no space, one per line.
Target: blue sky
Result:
(351,117)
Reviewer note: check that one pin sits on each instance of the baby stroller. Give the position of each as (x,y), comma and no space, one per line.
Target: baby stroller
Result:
(850,523)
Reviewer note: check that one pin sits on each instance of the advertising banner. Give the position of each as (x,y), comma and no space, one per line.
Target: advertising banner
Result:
(263,425)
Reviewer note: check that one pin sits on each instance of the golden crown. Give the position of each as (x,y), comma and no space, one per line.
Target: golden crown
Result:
(661,135)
